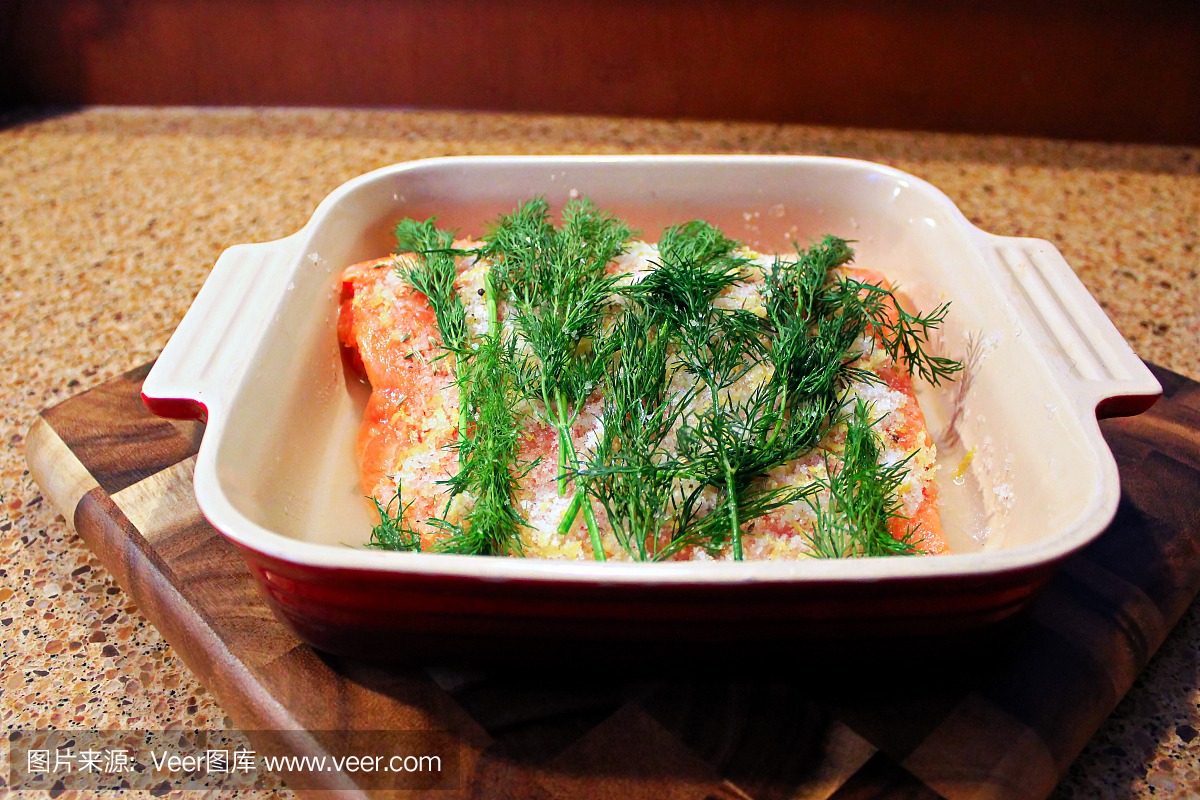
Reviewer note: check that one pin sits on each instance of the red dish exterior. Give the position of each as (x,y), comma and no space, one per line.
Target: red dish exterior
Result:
(414,617)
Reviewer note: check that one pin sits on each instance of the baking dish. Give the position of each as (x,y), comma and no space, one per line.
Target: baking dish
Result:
(1026,478)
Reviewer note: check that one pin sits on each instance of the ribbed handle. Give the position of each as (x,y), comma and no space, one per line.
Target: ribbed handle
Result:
(1094,362)
(207,355)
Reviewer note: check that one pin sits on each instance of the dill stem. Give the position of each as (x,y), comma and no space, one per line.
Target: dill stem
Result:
(493,313)
(735,527)
(779,421)
(564,440)
(589,517)
(641,540)
(463,417)
(462,431)
(567,452)
(567,460)
(564,525)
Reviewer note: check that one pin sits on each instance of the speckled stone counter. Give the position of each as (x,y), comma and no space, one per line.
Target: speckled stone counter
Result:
(111,218)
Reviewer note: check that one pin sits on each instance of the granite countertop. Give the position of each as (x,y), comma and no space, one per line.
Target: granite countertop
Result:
(110,219)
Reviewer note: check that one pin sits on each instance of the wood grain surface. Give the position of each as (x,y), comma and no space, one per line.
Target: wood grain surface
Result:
(998,715)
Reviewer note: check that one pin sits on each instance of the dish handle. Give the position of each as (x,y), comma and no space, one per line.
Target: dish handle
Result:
(1095,365)
(207,356)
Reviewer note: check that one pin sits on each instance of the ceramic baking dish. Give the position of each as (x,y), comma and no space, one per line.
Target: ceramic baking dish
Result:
(1026,477)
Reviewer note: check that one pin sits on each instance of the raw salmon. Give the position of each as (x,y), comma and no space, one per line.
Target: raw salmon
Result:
(411,423)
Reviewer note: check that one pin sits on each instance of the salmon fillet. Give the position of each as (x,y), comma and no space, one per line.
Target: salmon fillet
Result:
(410,423)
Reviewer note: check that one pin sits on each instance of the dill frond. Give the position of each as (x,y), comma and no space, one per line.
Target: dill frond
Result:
(393,531)
(862,498)
(905,341)
(905,337)
(559,293)
(488,430)
(629,472)
(489,456)
(730,444)
(433,275)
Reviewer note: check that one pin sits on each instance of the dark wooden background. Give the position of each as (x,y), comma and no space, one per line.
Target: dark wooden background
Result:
(1079,69)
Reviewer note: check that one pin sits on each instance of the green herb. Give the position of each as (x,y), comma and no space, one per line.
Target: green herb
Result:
(862,498)
(811,338)
(488,431)
(569,337)
(716,348)
(629,472)
(433,275)
(905,335)
(730,444)
(696,263)
(393,532)
(488,455)
(559,292)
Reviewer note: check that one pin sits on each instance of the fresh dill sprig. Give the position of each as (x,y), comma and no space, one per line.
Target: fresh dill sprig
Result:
(862,498)
(797,289)
(488,430)
(695,264)
(433,275)
(904,335)
(559,292)
(489,455)
(629,472)
(811,337)
(802,289)
(727,444)
(733,442)
(393,531)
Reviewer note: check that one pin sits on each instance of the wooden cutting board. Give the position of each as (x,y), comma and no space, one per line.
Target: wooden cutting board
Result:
(998,715)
